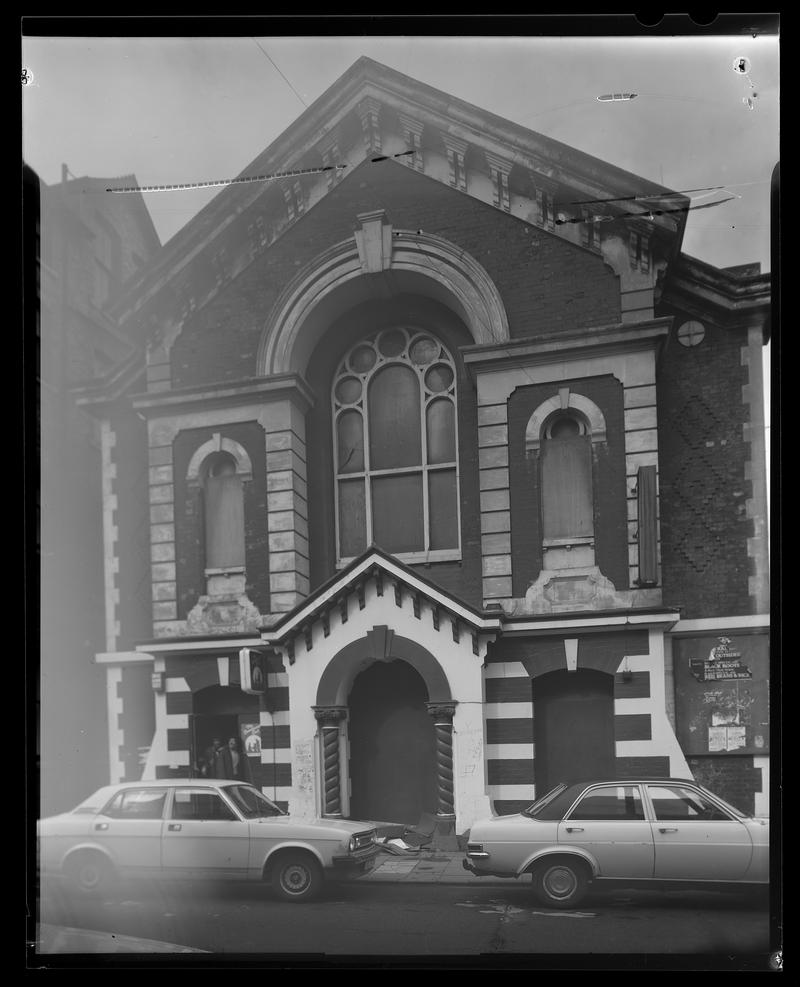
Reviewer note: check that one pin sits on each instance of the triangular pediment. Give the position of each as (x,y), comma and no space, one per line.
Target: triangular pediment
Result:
(372,112)
(334,600)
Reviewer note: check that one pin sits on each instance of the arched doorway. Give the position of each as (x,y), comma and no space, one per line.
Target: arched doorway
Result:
(573,725)
(221,712)
(392,745)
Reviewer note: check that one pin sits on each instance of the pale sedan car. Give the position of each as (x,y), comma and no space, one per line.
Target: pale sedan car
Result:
(661,831)
(204,828)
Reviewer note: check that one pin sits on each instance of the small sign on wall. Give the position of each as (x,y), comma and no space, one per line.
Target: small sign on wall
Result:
(253,671)
(722,694)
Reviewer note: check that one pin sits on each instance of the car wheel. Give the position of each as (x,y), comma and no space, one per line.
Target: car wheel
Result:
(90,874)
(297,877)
(560,883)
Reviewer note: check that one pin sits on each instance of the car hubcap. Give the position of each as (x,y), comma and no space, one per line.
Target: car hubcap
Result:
(295,879)
(90,876)
(559,882)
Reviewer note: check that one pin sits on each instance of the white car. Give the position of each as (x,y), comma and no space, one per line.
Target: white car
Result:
(637,831)
(201,828)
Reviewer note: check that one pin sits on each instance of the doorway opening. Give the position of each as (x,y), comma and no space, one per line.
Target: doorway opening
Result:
(221,713)
(573,727)
(392,745)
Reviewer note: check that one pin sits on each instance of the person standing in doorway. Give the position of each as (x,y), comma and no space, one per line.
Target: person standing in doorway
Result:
(207,760)
(223,762)
(236,757)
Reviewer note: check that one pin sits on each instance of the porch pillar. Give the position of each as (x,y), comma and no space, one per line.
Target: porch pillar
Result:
(329,718)
(442,714)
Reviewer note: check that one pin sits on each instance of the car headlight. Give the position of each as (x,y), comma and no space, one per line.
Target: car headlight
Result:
(352,845)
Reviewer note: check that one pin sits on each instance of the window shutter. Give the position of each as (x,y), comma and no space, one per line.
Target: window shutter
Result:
(633,249)
(586,229)
(648,532)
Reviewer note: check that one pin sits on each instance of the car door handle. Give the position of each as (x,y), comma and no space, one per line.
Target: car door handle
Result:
(667,829)
(101,826)
(574,829)
(174,827)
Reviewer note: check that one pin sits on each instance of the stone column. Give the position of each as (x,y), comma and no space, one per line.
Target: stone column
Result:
(442,714)
(329,718)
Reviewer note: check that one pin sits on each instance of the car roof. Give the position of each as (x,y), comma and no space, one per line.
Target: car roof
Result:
(169,782)
(583,783)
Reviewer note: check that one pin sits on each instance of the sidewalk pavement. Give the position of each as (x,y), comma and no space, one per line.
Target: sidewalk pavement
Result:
(427,867)
(62,939)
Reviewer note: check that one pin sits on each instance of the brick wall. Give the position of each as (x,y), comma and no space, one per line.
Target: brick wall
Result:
(732,778)
(703,490)
(608,477)
(546,283)
(189,522)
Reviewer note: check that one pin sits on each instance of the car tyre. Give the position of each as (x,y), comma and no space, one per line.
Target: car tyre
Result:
(296,877)
(90,874)
(560,883)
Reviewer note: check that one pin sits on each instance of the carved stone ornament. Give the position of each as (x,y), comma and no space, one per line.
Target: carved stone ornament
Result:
(441,711)
(330,714)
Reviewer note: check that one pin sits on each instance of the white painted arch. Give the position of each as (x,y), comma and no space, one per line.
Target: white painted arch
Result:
(420,263)
(219,443)
(562,401)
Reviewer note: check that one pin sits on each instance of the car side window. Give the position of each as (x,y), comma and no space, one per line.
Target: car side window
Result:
(614,802)
(137,803)
(200,805)
(672,803)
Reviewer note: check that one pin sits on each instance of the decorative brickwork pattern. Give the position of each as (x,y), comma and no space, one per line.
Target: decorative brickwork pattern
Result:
(703,485)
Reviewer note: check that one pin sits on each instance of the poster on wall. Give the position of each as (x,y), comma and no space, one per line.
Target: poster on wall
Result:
(251,739)
(722,693)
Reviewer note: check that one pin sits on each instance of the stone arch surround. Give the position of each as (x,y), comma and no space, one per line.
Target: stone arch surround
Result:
(380,644)
(336,280)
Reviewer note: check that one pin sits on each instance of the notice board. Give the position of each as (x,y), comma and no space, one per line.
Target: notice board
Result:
(722,693)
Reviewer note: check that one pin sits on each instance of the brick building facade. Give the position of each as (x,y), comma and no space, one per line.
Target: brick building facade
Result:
(469,474)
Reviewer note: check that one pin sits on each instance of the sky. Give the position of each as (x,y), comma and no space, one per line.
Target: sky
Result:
(177,110)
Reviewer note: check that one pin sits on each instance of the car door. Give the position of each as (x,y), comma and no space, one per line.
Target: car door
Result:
(694,839)
(609,822)
(268,824)
(203,835)
(130,827)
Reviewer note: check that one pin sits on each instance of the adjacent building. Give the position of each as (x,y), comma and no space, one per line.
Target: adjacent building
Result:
(90,244)
(444,484)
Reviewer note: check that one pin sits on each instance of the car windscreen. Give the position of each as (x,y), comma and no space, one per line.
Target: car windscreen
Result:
(251,803)
(555,803)
(95,802)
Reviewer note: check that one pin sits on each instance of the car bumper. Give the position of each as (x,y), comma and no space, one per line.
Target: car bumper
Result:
(356,864)
(467,864)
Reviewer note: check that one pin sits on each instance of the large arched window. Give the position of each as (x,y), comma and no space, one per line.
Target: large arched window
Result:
(395,442)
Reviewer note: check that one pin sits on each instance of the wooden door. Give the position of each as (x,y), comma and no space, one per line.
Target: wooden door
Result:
(573,720)
(392,745)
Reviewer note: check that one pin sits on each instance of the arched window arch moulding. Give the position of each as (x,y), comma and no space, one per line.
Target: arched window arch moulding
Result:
(563,401)
(419,261)
(218,443)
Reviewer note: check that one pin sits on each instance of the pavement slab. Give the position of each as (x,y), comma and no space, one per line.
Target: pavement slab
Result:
(428,867)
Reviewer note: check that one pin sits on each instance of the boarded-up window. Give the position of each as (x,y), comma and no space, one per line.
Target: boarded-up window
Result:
(567,505)
(224,510)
